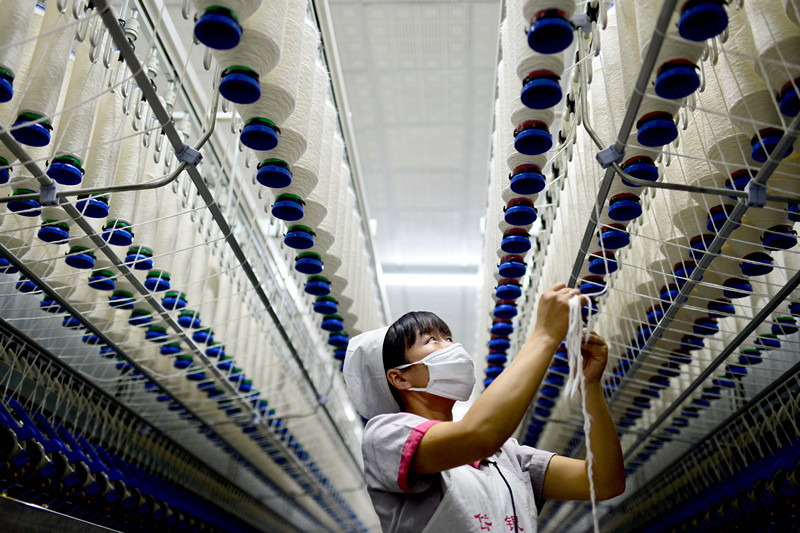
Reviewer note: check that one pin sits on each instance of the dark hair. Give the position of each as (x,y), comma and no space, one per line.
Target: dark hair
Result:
(403,334)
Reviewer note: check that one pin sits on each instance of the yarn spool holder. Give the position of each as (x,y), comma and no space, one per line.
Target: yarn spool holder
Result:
(175,139)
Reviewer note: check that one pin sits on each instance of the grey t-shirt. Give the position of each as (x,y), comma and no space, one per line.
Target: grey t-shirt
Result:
(405,501)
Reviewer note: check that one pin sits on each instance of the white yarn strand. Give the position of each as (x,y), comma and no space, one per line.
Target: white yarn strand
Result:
(576,383)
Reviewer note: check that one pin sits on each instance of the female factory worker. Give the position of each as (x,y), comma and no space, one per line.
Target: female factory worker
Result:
(425,472)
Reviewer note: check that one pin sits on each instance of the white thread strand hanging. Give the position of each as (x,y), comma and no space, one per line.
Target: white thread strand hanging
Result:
(576,383)
(101,158)
(122,203)
(50,69)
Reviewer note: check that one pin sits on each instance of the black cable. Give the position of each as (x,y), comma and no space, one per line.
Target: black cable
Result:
(510,492)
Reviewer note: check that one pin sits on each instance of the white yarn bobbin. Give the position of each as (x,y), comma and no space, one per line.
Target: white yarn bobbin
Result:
(64,279)
(259,48)
(41,97)
(72,135)
(122,203)
(295,131)
(41,259)
(14,24)
(279,87)
(101,158)
(168,235)
(629,57)
(327,190)
(307,169)
(144,221)
(777,42)
(748,99)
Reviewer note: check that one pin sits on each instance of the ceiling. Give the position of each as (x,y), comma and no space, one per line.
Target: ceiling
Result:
(419,77)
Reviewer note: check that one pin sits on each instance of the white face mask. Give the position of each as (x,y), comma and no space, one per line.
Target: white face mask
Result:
(451,373)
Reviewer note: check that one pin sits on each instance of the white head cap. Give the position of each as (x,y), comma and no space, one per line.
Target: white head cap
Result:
(365,377)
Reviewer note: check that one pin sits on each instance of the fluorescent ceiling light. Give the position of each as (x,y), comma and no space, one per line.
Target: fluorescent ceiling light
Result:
(438,279)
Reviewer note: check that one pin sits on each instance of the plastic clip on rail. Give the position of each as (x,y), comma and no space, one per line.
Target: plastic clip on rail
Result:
(48,194)
(756,194)
(189,155)
(610,155)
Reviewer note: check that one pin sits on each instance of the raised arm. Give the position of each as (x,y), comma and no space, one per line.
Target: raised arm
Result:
(567,478)
(498,411)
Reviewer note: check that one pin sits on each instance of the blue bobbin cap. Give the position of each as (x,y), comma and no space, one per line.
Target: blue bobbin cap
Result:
(288,207)
(527,179)
(492,371)
(794,212)
(656,129)
(299,237)
(274,173)
(54,232)
(519,212)
(5,171)
(25,285)
(140,317)
(156,334)
(702,19)
(496,358)
(532,137)
(512,266)
(157,281)
(26,208)
(218,28)
(309,263)
(118,233)
(31,130)
(550,32)
(765,142)
(240,85)
(182,362)
(788,98)
(739,180)
(260,134)
(654,314)
(591,308)
(699,244)
(120,299)
(785,325)
(49,305)
(65,170)
(680,357)
(6,267)
(217,349)
(717,217)
(93,206)
(508,289)
(515,241)
(6,85)
(669,293)
(332,323)
(780,237)
(683,271)
(720,308)
(602,263)
(643,168)
(757,264)
(80,257)
(624,207)
(326,305)
(736,288)
(203,336)
(70,322)
(487,382)
(338,340)
(505,309)
(102,280)
(140,258)
(613,237)
(317,286)
(174,300)
(592,285)
(339,354)
(502,326)
(677,79)
(768,341)
(705,326)
(499,343)
(189,319)
(541,90)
